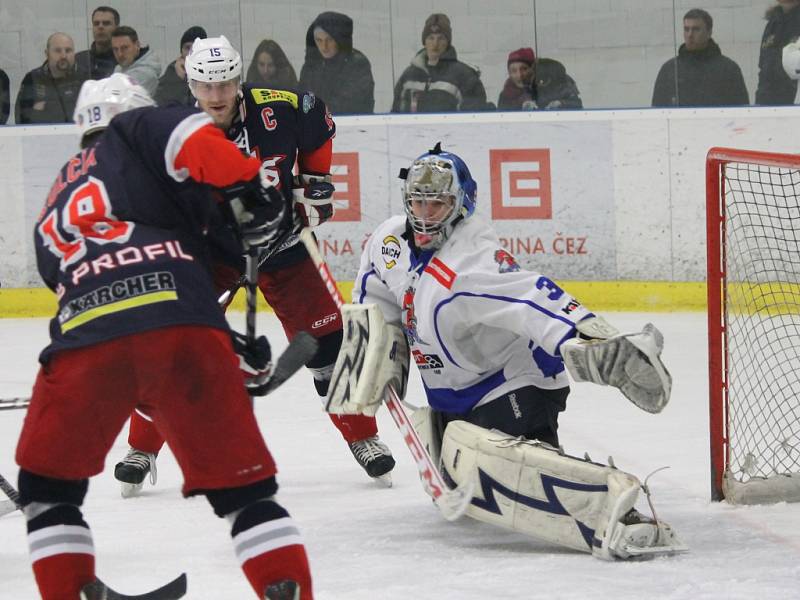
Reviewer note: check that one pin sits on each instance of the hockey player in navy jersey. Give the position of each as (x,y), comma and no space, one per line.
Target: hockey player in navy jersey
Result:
(493,344)
(280,128)
(122,242)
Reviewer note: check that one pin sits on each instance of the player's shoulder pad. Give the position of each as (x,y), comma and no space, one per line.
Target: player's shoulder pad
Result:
(269,96)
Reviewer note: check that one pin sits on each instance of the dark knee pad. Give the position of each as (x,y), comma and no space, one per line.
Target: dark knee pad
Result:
(48,490)
(321,364)
(257,513)
(229,500)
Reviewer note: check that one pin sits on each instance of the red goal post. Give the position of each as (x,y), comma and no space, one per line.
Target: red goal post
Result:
(753,262)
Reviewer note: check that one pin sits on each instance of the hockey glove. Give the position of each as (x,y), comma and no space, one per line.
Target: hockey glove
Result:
(258,208)
(255,362)
(630,362)
(314,199)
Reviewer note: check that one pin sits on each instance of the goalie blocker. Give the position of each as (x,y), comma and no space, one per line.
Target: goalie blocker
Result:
(537,490)
(374,354)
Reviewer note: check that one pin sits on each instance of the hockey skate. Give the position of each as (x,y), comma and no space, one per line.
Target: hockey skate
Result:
(283,590)
(637,535)
(132,470)
(375,457)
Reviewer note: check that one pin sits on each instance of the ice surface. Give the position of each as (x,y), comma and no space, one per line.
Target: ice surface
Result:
(367,542)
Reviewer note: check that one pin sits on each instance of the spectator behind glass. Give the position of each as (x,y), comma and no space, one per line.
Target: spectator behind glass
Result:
(172,86)
(517,93)
(135,60)
(783,26)
(537,84)
(98,61)
(48,93)
(704,76)
(436,81)
(270,68)
(334,70)
(5,97)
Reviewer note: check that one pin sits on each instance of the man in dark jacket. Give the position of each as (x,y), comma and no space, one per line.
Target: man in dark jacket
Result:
(98,61)
(334,70)
(700,75)
(436,81)
(172,86)
(783,26)
(48,93)
(5,97)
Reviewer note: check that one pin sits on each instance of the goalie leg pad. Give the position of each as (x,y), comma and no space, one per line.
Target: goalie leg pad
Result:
(533,488)
(374,354)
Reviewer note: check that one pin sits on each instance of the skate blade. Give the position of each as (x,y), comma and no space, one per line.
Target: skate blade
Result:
(130,490)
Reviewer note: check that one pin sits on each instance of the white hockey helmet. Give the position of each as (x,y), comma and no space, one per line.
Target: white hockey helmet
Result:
(213,60)
(791,59)
(100,101)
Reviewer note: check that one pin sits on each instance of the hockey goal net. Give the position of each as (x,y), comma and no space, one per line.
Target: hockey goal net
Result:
(753,231)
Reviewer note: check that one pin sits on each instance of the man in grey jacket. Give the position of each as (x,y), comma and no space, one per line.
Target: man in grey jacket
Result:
(136,61)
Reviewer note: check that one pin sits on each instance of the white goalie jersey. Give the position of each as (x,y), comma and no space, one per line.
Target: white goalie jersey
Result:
(478,325)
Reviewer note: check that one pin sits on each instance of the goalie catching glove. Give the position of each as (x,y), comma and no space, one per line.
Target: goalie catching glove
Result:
(374,354)
(255,362)
(313,195)
(630,362)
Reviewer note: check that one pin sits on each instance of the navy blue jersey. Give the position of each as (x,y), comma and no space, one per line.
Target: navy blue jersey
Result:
(280,127)
(121,239)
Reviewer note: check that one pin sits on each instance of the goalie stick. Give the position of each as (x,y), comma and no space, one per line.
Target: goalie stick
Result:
(97,590)
(451,503)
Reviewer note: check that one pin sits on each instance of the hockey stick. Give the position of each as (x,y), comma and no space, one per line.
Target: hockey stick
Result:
(264,257)
(14,403)
(7,507)
(9,491)
(451,503)
(97,590)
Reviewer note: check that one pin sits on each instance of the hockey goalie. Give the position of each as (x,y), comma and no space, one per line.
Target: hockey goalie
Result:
(494,344)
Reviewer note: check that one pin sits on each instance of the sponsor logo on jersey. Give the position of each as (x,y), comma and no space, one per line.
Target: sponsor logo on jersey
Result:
(409,317)
(327,319)
(571,307)
(119,295)
(441,272)
(308,102)
(265,96)
(390,251)
(427,361)
(506,262)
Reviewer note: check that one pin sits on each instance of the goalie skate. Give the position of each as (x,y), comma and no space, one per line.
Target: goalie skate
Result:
(638,536)
(132,470)
(375,458)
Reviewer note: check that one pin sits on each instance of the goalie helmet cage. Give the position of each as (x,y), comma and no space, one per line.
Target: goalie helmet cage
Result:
(753,235)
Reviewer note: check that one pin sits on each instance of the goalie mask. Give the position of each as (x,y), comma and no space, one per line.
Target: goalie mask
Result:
(438,193)
(99,101)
